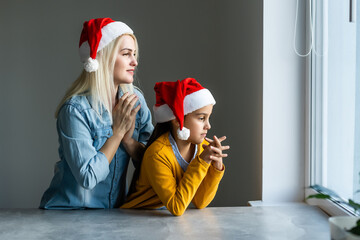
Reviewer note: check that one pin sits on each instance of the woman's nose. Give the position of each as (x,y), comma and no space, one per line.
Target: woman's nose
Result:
(133,62)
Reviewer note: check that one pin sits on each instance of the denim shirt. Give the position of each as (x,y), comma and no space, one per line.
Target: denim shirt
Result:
(83,178)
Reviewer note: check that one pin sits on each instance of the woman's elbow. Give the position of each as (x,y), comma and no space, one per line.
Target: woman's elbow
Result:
(88,186)
(88,182)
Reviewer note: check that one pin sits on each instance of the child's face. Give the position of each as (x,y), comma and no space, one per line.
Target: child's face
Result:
(198,124)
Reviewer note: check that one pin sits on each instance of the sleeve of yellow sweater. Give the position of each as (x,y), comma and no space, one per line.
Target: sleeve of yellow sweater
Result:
(208,188)
(175,196)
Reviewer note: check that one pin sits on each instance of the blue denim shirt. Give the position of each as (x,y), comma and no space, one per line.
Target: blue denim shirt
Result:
(83,177)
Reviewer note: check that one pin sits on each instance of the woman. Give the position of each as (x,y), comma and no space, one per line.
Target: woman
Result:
(179,165)
(102,121)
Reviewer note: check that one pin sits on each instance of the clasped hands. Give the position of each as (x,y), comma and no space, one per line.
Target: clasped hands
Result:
(124,115)
(213,152)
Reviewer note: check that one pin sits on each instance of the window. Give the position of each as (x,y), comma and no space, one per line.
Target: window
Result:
(335,98)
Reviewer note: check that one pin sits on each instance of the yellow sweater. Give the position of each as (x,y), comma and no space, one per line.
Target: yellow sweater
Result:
(163,182)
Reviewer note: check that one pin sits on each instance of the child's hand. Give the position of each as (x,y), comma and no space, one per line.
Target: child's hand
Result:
(213,152)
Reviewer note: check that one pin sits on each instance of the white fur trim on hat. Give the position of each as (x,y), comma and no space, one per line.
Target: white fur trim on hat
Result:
(163,113)
(197,100)
(112,31)
(192,102)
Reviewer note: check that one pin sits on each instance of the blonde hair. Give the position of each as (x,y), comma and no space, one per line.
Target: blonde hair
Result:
(100,84)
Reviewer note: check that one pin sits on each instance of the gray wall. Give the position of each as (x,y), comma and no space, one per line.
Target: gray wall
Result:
(217,42)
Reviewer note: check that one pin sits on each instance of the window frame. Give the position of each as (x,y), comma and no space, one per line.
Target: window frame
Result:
(331,206)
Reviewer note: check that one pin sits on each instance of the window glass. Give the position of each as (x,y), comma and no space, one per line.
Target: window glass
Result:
(335,98)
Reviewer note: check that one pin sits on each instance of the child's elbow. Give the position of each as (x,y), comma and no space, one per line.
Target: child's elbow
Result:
(200,205)
(176,211)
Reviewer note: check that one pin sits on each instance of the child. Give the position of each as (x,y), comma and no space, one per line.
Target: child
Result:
(179,166)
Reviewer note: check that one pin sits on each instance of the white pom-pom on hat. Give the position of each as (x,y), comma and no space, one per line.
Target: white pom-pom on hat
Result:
(91,65)
(183,134)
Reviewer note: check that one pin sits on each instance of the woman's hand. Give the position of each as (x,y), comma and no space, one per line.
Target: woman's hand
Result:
(124,115)
(213,152)
(127,139)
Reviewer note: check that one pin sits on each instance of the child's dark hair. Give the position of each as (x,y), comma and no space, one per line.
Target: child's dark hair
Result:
(160,129)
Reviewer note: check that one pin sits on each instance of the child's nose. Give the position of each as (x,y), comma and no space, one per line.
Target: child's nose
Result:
(207,126)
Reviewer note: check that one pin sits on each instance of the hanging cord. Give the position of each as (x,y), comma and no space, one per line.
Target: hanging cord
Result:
(311,29)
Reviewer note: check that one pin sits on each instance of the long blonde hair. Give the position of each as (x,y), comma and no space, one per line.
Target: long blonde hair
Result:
(100,84)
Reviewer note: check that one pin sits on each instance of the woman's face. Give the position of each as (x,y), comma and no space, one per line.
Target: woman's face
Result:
(125,62)
(198,123)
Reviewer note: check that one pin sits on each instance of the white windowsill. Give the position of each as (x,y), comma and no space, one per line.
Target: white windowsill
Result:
(259,203)
(331,208)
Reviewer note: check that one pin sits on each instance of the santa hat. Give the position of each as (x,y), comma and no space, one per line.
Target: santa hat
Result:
(95,35)
(176,99)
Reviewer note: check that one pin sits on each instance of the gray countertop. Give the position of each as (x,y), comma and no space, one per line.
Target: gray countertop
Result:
(261,222)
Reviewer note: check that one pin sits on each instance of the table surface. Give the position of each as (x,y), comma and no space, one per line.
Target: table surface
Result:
(261,222)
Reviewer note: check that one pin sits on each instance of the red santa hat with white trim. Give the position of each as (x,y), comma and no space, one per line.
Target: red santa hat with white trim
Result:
(176,99)
(95,35)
